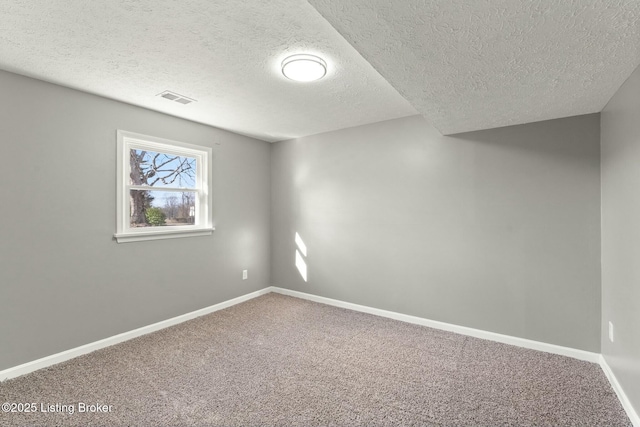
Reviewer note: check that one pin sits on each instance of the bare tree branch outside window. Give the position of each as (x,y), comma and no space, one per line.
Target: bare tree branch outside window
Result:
(160,171)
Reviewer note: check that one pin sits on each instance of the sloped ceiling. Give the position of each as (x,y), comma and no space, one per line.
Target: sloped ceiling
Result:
(477,64)
(464,65)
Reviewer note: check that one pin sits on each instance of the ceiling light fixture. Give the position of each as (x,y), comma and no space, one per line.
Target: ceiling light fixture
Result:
(304,68)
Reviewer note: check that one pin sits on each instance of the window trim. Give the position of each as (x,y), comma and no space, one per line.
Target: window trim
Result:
(204,202)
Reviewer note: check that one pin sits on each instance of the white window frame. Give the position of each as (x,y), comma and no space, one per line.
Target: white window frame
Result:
(204,203)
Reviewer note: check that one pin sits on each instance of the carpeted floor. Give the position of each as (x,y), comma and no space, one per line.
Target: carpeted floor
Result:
(282,361)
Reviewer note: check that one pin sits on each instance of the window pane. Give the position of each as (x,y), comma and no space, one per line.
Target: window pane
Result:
(162,208)
(161,169)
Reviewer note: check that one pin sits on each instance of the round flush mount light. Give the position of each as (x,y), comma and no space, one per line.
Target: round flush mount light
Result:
(304,68)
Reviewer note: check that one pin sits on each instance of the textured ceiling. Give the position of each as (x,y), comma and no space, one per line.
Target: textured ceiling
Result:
(225,54)
(477,64)
(463,64)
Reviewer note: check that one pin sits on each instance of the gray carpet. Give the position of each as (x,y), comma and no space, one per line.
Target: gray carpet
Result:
(282,361)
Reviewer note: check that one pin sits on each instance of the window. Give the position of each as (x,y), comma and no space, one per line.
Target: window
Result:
(163,189)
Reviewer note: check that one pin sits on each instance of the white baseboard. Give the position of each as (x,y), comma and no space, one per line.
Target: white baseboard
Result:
(622,396)
(463,330)
(478,333)
(44,362)
(506,339)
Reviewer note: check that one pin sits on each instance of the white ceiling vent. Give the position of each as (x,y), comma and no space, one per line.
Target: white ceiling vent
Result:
(172,96)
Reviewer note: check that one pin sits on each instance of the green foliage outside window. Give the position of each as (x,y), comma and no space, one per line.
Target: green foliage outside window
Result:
(155,216)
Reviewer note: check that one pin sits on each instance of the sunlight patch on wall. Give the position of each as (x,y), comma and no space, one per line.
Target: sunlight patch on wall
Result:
(301,265)
(301,246)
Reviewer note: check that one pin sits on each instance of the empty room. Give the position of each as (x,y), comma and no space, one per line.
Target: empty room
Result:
(320,212)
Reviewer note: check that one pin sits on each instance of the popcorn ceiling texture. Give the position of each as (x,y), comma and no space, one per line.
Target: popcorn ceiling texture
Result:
(470,65)
(281,361)
(225,54)
(464,65)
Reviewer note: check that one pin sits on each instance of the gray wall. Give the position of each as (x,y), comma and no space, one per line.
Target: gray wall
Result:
(497,230)
(621,235)
(64,281)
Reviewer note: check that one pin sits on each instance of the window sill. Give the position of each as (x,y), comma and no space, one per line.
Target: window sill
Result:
(160,235)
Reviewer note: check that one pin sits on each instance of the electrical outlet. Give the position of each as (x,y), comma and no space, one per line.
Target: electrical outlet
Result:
(245,274)
(610,331)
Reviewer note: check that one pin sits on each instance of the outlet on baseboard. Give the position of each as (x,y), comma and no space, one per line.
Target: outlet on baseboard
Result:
(245,274)
(610,331)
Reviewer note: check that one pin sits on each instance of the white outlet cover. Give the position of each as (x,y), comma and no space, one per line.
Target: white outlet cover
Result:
(245,274)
